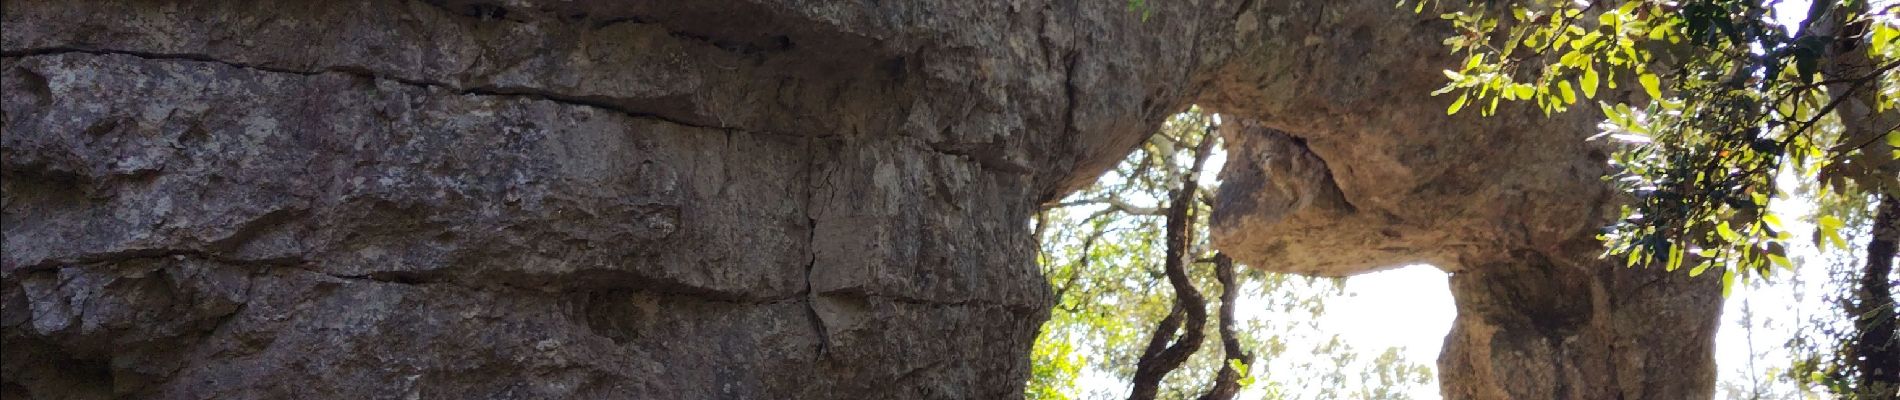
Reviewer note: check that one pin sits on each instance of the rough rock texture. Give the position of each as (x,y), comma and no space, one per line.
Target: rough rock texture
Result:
(728,199)
(1534,327)
(1378,168)
(1347,168)
(535,199)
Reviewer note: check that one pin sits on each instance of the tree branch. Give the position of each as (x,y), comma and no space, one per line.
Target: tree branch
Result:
(1190,309)
(1876,349)
(1114,203)
(1227,382)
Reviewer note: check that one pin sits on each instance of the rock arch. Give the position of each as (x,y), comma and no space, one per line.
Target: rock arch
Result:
(720,199)
(1333,176)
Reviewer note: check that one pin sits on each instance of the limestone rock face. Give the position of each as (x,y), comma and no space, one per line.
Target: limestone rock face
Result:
(1534,327)
(733,198)
(551,199)
(1399,181)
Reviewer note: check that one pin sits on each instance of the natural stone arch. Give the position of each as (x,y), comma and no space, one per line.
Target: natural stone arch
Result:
(606,199)
(1343,166)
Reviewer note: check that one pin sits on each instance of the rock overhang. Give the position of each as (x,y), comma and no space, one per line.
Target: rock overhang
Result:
(1341,162)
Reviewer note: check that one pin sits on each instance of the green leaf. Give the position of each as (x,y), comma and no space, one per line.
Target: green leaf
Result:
(1524,91)
(1829,222)
(1728,234)
(1728,281)
(1651,84)
(1569,95)
(1884,35)
(1827,230)
(1700,268)
(1456,104)
(1781,261)
(1835,239)
(1588,82)
(1675,258)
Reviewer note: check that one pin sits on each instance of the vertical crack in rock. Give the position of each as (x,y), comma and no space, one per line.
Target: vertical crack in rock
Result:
(812,188)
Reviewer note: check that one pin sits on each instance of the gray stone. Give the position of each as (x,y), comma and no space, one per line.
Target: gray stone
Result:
(539,199)
(1343,166)
(722,199)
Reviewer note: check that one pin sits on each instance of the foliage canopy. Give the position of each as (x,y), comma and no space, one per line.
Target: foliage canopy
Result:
(1730,100)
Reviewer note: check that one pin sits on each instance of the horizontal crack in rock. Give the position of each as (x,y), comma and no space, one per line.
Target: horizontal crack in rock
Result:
(404,278)
(598,102)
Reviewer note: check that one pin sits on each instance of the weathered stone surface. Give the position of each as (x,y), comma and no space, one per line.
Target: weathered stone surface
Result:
(1416,185)
(722,199)
(1346,168)
(1531,327)
(287,199)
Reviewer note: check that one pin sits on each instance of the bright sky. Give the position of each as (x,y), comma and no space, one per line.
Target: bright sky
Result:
(1408,307)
